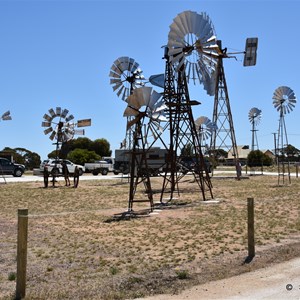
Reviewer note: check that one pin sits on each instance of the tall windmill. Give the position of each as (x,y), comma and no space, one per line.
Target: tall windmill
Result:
(146,109)
(190,38)
(224,137)
(284,100)
(125,75)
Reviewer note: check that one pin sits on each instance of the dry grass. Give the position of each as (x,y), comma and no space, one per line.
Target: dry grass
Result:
(76,251)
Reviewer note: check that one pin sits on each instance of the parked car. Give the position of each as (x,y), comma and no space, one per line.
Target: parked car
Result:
(54,166)
(9,168)
(100,166)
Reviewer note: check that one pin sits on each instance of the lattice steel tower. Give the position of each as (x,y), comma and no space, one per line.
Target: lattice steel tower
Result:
(284,100)
(190,35)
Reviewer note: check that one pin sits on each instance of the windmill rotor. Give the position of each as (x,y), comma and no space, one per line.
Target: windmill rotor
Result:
(6,116)
(254,116)
(284,99)
(145,102)
(125,75)
(192,42)
(205,127)
(58,125)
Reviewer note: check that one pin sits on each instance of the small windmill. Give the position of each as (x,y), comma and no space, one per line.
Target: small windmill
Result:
(125,76)
(6,116)
(284,100)
(254,116)
(146,109)
(60,127)
(205,127)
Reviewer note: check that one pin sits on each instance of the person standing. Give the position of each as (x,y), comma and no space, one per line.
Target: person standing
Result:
(46,177)
(76,177)
(66,173)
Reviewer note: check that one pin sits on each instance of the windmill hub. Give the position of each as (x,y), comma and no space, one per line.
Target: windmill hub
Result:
(188,50)
(131,79)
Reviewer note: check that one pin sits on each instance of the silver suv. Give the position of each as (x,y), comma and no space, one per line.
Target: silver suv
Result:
(54,166)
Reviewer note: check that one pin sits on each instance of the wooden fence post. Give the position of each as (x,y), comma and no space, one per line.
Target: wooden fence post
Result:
(251,241)
(22,253)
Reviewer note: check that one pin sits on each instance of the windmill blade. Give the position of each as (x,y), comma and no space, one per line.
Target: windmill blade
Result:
(58,111)
(130,123)
(64,113)
(139,97)
(52,136)
(46,124)
(69,118)
(52,112)
(48,130)
(130,112)
(47,117)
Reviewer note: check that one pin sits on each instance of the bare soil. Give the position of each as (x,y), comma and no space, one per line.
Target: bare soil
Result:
(81,245)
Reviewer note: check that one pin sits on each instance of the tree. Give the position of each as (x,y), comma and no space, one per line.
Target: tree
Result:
(257,159)
(81,143)
(81,156)
(292,151)
(101,147)
(24,156)
(187,150)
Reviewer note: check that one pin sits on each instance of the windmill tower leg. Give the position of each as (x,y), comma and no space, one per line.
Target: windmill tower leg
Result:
(282,142)
(170,96)
(139,171)
(224,136)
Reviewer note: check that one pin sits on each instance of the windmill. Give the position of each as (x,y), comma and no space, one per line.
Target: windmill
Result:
(6,116)
(254,116)
(191,38)
(224,137)
(125,75)
(205,127)
(284,101)
(146,109)
(60,127)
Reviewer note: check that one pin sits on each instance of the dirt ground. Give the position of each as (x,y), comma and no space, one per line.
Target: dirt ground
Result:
(276,282)
(82,246)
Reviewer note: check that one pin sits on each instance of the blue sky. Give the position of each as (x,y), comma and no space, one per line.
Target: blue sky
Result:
(59,53)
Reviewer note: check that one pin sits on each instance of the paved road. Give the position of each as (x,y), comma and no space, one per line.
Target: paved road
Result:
(280,281)
(28,178)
